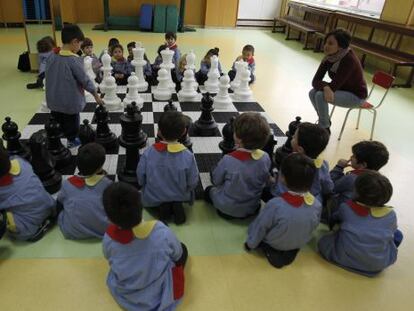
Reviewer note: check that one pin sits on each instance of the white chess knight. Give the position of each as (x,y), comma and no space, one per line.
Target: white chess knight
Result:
(190,59)
(223,99)
(87,64)
(243,93)
(212,83)
(107,70)
(139,62)
(167,64)
(133,95)
(187,92)
(163,90)
(112,101)
(239,66)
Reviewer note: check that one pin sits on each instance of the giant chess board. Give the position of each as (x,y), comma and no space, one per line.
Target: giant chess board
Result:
(205,149)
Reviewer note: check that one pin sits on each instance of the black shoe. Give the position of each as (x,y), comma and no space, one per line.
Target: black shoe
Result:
(36,85)
(46,226)
(165,212)
(179,213)
(207,196)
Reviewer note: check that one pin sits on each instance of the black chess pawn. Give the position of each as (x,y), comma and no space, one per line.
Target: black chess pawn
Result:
(12,136)
(185,139)
(286,149)
(43,163)
(104,136)
(132,138)
(170,107)
(86,133)
(60,154)
(205,125)
(227,144)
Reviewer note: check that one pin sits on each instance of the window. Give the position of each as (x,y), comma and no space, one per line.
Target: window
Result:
(372,8)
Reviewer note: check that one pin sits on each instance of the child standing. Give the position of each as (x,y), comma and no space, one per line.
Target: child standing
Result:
(65,83)
(205,64)
(367,238)
(167,171)
(146,260)
(239,178)
(171,43)
(366,155)
(83,215)
(28,207)
(287,222)
(121,69)
(311,140)
(247,56)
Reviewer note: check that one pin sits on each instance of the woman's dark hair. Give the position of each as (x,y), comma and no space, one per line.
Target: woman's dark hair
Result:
(372,189)
(342,36)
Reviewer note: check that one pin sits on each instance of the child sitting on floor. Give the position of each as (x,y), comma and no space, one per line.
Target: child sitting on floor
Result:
(111,43)
(240,176)
(121,69)
(367,238)
(247,56)
(87,49)
(146,259)
(205,64)
(287,222)
(157,63)
(28,208)
(171,43)
(147,67)
(83,215)
(167,171)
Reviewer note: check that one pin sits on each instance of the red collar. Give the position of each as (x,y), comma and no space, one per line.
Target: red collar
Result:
(241,155)
(172,47)
(250,60)
(56,50)
(120,235)
(358,209)
(160,147)
(77,181)
(6,180)
(358,171)
(294,200)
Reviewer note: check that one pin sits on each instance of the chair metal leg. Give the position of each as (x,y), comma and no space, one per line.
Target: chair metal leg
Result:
(373,123)
(332,111)
(359,118)
(343,124)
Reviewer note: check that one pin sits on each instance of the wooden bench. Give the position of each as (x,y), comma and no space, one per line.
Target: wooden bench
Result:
(304,19)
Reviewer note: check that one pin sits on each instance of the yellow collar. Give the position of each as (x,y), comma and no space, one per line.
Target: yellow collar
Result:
(93,180)
(318,162)
(67,53)
(144,229)
(379,212)
(175,147)
(257,154)
(309,198)
(14,167)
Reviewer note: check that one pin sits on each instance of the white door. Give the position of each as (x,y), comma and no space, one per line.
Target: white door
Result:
(258,9)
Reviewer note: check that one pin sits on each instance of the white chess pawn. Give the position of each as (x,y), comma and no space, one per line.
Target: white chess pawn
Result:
(163,90)
(133,95)
(223,99)
(239,66)
(190,59)
(87,65)
(167,63)
(212,83)
(187,92)
(139,62)
(243,93)
(112,101)
(106,68)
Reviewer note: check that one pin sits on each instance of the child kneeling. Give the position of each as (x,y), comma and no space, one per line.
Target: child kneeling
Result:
(146,259)
(287,222)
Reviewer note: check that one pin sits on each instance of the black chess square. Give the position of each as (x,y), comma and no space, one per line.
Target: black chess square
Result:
(206,162)
(149,129)
(190,106)
(113,117)
(89,107)
(70,168)
(40,118)
(250,106)
(276,130)
(224,117)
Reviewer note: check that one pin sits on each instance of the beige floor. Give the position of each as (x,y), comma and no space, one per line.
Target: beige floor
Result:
(236,281)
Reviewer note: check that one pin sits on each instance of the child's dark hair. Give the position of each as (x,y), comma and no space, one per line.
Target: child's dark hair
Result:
(112,42)
(90,159)
(373,153)
(122,204)
(252,129)
(312,138)
(248,48)
(161,48)
(170,35)
(298,171)
(44,45)
(117,46)
(372,189)
(71,32)
(172,125)
(131,45)
(51,41)
(4,160)
(86,42)
(342,36)
(211,52)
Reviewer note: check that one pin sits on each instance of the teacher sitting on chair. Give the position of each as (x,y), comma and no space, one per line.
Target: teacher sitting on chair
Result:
(348,87)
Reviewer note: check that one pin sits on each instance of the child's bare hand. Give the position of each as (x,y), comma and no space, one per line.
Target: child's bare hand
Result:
(99,100)
(272,180)
(343,163)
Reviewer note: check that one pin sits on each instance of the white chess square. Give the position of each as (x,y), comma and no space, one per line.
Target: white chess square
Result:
(159,106)
(30,129)
(206,144)
(205,180)
(147,117)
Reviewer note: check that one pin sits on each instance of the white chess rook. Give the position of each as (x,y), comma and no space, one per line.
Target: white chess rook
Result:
(212,83)
(187,92)
(133,95)
(139,62)
(167,64)
(163,90)
(243,93)
(239,66)
(111,99)
(107,70)
(223,99)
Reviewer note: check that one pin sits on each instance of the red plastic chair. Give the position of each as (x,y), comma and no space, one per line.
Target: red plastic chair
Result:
(381,79)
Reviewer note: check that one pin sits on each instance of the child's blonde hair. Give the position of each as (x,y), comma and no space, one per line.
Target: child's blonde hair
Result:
(182,63)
